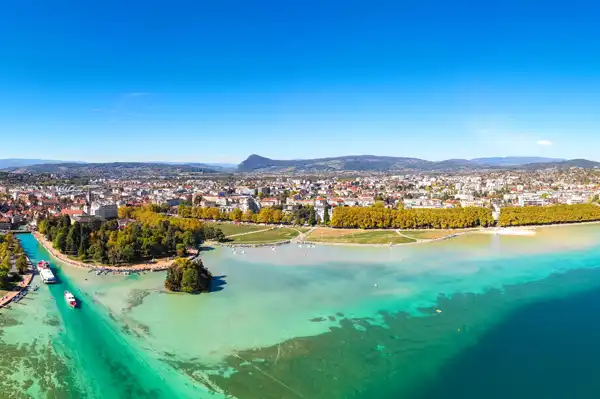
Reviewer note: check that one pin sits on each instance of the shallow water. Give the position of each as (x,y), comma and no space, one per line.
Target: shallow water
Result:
(324,322)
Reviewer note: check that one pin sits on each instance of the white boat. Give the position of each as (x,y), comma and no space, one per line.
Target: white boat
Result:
(43,265)
(47,276)
(70,298)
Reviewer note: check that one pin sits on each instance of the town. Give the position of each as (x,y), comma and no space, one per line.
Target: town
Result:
(23,203)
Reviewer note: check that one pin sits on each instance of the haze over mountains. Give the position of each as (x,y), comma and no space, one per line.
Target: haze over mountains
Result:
(259,164)
(380,163)
(20,162)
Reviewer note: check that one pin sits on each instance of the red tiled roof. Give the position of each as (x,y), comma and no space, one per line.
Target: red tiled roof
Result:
(71,212)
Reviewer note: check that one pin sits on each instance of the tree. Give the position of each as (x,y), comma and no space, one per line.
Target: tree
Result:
(312,218)
(60,241)
(127,253)
(533,215)
(181,250)
(126,212)
(3,272)
(173,279)
(189,280)
(72,240)
(188,239)
(236,215)
(42,226)
(98,253)
(380,217)
(187,276)
(152,234)
(21,264)
(326,216)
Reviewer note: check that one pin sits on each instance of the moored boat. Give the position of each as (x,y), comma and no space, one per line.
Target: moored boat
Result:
(70,298)
(47,276)
(43,265)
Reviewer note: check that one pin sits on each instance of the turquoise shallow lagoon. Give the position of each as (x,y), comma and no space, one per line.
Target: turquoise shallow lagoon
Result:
(446,319)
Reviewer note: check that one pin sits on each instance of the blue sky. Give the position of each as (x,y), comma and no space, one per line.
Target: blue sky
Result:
(217,81)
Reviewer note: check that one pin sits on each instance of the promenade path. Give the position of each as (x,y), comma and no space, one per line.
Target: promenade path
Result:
(302,236)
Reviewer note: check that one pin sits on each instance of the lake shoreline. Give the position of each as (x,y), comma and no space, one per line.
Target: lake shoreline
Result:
(160,265)
(7,299)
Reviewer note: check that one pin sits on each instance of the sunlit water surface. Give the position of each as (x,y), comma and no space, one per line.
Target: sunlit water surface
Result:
(324,322)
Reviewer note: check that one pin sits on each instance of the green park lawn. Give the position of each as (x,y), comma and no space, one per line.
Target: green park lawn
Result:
(349,236)
(265,237)
(230,229)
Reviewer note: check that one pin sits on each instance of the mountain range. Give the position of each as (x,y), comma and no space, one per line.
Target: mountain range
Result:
(259,164)
(21,162)
(24,162)
(113,169)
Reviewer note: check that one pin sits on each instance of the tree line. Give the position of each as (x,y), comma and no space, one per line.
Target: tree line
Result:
(150,235)
(11,252)
(532,215)
(378,217)
(269,215)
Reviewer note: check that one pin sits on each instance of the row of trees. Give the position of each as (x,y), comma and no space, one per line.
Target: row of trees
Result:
(272,215)
(383,218)
(11,252)
(151,235)
(531,215)
(188,276)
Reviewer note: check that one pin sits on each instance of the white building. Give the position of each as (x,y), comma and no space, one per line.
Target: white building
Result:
(106,211)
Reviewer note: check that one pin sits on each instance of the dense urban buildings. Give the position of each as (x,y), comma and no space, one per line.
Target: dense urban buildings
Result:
(24,203)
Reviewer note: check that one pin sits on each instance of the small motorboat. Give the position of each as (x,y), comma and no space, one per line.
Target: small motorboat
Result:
(70,298)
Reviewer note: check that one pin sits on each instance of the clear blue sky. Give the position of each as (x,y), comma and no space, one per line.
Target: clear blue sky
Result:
(214,81)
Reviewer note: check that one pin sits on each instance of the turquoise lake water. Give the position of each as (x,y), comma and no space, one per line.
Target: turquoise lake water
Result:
(476,316)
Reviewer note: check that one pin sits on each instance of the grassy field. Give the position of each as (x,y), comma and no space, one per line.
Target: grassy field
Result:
(231,228)
(352,236)
(266,237)
(429,234)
